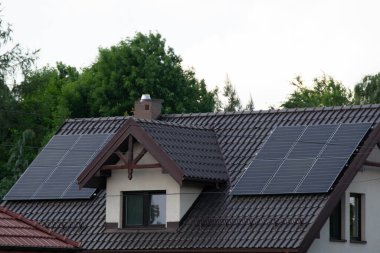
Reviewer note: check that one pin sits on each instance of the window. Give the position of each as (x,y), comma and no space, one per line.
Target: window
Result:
(336,223)
(144,209)
(355,217)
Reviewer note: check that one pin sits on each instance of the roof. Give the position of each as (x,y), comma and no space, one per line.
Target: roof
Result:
(187,152)
(18,232)
(217,220)
(194,149)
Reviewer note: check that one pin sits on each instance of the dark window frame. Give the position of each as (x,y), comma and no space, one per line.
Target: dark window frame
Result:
(336,222)
(358,220)
(146,209)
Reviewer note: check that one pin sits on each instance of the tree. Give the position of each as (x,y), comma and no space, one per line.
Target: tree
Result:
(251,105)
(14,61)
(368,90)
(40,97)
(122,73)
(233,100)
(325,92)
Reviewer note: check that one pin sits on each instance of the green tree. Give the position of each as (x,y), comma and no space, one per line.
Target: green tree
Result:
(14,62)
(251,105)
(233,101)
(325,92)
(143,64)
(368,90)
(40,97)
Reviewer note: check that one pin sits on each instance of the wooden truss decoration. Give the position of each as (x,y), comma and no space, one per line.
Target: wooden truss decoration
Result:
(128,162)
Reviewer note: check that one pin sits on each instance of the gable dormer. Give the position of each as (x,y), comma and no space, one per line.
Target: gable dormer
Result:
(153,172)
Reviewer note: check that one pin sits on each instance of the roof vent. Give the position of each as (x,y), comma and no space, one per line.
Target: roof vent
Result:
(145,97)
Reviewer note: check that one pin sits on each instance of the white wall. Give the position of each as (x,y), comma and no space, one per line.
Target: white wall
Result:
(189,193)
(154,179)
(366,182)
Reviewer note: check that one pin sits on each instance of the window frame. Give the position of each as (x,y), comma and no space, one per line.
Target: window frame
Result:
(146,209)
(359,198)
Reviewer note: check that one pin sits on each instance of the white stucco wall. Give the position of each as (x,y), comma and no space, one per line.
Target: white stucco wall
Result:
(178,199)
(189,193)
(366,182)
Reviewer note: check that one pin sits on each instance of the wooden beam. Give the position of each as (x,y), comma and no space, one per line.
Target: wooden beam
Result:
(130,166)
(130,149)
(139,156)
(372,164)
(121,156)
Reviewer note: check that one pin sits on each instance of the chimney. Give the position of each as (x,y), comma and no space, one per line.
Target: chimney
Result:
(148,108)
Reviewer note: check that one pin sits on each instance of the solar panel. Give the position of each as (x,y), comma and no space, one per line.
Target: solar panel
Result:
(53,174)
(301,159)
(256,176)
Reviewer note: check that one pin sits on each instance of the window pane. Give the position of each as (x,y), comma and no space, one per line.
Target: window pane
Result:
(355,216)
(134,208)
(157,209)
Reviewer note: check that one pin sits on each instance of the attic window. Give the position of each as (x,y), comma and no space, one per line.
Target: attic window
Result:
(144,209)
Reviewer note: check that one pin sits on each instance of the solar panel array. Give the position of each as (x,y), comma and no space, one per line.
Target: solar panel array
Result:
(301,159)
(53,174)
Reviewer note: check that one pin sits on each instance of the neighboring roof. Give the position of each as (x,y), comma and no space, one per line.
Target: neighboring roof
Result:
(186,152)
(217,220)
(17,232)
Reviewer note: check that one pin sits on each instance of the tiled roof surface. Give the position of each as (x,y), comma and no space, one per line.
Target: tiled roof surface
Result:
(217,219)
(195,150)
(104,125)
(18,232)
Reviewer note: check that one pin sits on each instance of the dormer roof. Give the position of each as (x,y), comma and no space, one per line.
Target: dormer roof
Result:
(186,152)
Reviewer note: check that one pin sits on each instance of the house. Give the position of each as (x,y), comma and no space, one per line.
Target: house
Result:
(22,235)
(292,180)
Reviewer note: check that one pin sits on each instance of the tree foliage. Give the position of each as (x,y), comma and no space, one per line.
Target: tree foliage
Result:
(325,92)
(143,64)
(14,61)
(251,105)
(368,90)
(233,101)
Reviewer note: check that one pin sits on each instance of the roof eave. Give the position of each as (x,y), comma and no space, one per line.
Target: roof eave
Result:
(198,250)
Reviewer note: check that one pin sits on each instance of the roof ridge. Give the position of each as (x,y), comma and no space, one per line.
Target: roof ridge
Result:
(39,227)
(245,112)
(167,123)
(97,118)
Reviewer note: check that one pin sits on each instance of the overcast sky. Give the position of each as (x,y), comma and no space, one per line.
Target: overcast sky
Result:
(261,45)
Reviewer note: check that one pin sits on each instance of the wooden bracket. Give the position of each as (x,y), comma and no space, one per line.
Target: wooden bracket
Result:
(128,162)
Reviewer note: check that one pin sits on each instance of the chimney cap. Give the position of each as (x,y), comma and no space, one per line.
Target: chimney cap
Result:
(145,97)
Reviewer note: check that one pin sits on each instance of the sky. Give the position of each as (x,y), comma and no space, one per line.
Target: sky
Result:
(260,44)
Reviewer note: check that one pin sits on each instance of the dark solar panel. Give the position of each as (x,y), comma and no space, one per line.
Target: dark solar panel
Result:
(256,176)
(301,159)
(277,146)
(53,173)
(322,175)
(288,177)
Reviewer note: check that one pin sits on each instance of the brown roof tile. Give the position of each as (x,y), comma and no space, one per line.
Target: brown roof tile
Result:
(18,232)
